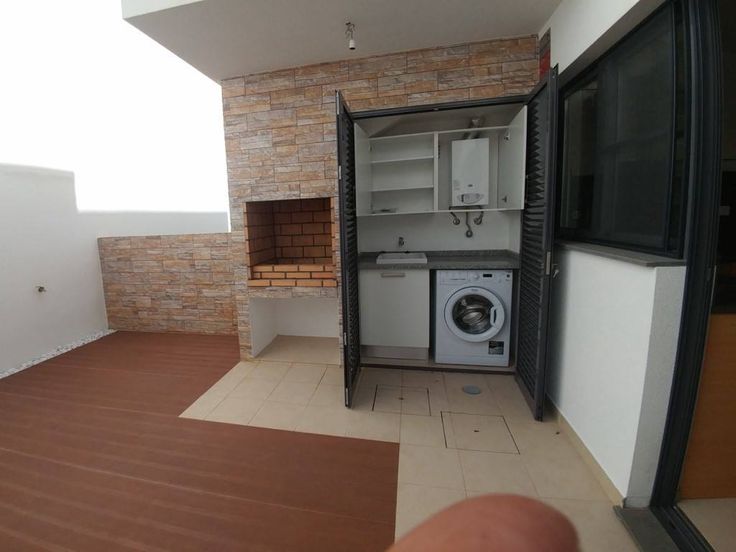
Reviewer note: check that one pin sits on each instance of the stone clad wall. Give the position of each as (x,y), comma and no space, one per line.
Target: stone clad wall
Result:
(180,283)
(280,126)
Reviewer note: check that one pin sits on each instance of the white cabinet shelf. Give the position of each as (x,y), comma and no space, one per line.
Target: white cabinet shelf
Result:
(403,159)
(411,174)
(402,187)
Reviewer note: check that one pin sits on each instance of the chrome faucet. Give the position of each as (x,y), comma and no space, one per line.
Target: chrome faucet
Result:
(401,241)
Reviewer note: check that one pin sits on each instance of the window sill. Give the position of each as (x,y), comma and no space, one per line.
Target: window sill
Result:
(624,255)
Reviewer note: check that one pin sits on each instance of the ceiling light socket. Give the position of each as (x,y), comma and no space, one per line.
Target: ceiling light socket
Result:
(349,34)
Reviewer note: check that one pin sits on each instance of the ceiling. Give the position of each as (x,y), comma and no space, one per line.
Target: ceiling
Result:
(227,38)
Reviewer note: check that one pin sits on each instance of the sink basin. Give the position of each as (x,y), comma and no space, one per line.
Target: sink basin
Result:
(402,258)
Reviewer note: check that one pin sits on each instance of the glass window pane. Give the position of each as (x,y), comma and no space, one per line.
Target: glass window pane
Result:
(617,182)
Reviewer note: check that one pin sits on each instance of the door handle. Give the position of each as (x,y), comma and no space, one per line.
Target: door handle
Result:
(555,270)
(393,274)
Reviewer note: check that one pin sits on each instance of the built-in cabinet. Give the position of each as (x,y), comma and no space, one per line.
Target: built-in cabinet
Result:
(394,312)
(417,173)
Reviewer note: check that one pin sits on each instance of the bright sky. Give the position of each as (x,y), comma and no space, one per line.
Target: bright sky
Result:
(83,90)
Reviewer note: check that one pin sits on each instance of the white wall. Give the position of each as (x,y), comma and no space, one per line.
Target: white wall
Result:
(613,339)
(302,316)
(44,240)
(435,232)
(577,25)
(264,331)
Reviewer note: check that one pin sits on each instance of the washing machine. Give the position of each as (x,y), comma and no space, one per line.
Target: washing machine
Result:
(473,317)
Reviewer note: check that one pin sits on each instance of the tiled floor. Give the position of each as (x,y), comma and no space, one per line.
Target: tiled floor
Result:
(452,445)
(714,518)
(291,348)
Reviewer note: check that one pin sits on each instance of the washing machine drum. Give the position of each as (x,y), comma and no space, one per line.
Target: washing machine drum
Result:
(474,314)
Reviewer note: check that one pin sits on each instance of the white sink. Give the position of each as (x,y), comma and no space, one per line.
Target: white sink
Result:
(402,258)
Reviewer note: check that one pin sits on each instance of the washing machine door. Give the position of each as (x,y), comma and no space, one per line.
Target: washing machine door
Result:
(474,314)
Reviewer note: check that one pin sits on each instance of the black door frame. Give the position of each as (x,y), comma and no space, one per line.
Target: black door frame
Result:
(704,182)
(445,106)
(535,392)
(348,239)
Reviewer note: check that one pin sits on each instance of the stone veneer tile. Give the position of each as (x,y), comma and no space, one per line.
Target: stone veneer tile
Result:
(169,283)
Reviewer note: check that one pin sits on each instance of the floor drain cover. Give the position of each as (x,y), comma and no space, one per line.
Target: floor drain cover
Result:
(471,389)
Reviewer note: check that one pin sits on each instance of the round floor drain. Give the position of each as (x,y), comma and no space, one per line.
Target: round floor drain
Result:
(471,389)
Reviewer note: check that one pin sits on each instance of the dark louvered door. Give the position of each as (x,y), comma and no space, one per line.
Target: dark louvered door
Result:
(348,246)
(537,228)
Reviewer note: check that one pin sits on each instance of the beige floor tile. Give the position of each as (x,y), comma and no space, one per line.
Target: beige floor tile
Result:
(324,420)
(491,472)
(254,388)
(305,373)
(715,518)
(205,404)
(334,375)
(461,402)
(458,379)
(235,410)
(422,430)
(293,392)
(553,463)
(405,400)
(363,397)
(381,376)
(417,503)
(438,401)
(320,350)
(387,399)
(231,379)
(422,378)
(269,370)
(597,525)
(329,395)
(430,466)
(278,415)
(510,400)
(377,426)
(415,400)
(536,436)
(244,367)
(478,432)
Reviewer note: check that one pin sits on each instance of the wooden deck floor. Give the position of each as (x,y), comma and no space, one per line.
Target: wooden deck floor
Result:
(93,456)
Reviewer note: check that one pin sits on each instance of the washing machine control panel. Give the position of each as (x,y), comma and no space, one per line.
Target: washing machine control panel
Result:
(452,276)
(462,276)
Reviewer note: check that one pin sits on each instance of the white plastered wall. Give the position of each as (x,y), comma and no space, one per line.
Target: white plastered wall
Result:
(45,240)
(435,232)
(613,340)
(579,26)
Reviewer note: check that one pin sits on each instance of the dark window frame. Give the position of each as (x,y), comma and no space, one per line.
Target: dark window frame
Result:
(673,235)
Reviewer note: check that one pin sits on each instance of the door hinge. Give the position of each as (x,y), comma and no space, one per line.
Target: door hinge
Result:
(548,264)
(339,172)
(344,338)
(337,104)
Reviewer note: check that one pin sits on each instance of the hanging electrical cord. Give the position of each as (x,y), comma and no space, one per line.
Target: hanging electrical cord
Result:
(479,219)
(455,220)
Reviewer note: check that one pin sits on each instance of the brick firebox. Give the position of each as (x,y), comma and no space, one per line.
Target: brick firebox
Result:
(289,243)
